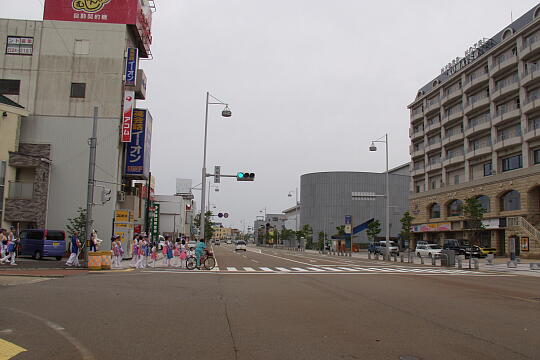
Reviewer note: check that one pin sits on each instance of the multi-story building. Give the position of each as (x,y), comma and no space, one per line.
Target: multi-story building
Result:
(81,56)
(10,126)
(475,132)
(175,215)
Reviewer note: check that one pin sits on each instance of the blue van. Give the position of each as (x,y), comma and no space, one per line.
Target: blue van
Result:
(43,243)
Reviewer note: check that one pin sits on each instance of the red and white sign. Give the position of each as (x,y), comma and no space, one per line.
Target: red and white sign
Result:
(127,120)
(129,12)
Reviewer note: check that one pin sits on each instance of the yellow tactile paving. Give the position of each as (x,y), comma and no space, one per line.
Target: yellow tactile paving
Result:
(9,350)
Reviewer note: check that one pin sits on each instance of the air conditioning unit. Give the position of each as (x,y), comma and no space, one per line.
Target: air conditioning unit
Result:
(121,196)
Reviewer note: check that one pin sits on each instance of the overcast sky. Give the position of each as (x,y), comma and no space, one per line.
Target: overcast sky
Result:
(310,84)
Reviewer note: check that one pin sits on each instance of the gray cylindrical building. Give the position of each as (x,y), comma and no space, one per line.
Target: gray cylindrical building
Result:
(326,198)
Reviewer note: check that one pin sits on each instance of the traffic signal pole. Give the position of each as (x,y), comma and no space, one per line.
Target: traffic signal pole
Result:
(92,142)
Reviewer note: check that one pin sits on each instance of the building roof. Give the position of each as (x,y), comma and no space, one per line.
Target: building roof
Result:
(400,167)
(4,100)
(515,27)
(291,209)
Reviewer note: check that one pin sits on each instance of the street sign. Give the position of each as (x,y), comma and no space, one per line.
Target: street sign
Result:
(217,173)
(348,228)
(226,215)
(348,219)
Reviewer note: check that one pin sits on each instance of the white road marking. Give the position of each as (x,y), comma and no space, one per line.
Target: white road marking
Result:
(330,269)
(298,269)
(283,269)
(266,269)
(232,269)
(255,261)
(249,269)
(314,269)
(347,269)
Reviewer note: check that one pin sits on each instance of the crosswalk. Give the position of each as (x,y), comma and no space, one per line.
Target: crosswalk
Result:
(344,269)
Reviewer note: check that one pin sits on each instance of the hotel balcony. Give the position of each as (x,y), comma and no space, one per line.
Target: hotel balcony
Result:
(504,64)
(531,49)
(482,125)
(454,115)
(502,117)
(435,146)
(434,107)
(478,104)
(452,138)
(459,158)
(477,82)
(531,134)
(418,171)
(437,165)
(507,142)
(432,127)
(532,104)
(448,97)
(531,75)
(417,116)
(416,135)
(475,152)
(504,90)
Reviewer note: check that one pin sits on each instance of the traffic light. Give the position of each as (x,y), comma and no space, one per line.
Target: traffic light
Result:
(105,195)
(245,176)
(217,174)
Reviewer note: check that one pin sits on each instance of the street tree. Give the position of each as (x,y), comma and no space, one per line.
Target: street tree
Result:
(208,224)
(406,226)
(473,213)
(373,230)
(322,240)
(307,233)
(78,224)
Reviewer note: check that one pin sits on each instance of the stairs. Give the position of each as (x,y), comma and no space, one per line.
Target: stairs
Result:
(521,223)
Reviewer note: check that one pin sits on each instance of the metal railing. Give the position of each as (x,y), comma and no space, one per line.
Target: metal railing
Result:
(516,132)
(502,58)
(530,68)
(477,97)
(507,81)
(20,190)
(480,145)
(521,222)
(504,108)
(453,131)
(479,120)
(450,154)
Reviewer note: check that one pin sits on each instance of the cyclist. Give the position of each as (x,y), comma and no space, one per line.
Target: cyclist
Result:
(199,250)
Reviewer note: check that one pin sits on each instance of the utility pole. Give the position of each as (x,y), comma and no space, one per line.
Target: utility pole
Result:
(92,142)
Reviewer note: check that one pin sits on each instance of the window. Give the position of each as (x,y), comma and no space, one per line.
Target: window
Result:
(512,163)
(511,201)
(78,90)
(55,235)
(536,156)
(20,45)
(10,87)
(484,201)
(82,47)
(456,179)
(435,211)
(455,208)
(488,169)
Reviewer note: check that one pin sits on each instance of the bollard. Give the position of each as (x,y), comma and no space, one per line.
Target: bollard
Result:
(433,261)
(421,260)
(350,254)
(376,256)
(369,255)
(401,257)
(476,264)
(511,264)
(490,259)
(459,262)
(409,257)
(395,257)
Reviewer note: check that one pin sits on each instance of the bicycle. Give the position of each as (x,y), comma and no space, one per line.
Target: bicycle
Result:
(207,261)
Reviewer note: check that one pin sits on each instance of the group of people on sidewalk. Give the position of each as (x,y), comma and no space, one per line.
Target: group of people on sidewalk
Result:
(174,253)
(8,246)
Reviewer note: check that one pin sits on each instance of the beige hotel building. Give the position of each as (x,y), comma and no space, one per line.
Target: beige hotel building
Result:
(475,132)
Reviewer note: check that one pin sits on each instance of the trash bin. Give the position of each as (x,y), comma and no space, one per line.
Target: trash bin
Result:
(94,260)
(448,258)
(106,259)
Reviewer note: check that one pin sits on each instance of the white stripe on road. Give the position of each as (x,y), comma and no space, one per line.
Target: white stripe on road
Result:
(330,269)
(346,269)
(232,269)
(266,269)
(283,269)
(249,269)
(298,269)
(314,269)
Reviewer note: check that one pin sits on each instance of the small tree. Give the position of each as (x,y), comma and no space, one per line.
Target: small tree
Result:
(406,225)
(208,224)
(78,224)
(307,233)
(322,240)
(473,212)
(374,229)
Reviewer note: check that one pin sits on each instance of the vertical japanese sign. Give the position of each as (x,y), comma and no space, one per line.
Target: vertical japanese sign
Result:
(129,103)
(131,66)
(138,149)
(154,223)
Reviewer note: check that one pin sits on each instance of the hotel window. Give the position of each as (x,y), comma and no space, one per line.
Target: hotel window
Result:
(488,169)
(455,208)
(435,211)
(511,201)
(512,163)
(10,87)
(484,201)
(78,90)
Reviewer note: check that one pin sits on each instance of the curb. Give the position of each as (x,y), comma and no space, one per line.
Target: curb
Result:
(35,276)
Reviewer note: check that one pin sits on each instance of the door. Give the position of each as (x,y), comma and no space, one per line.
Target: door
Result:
(501,242)
(517,245)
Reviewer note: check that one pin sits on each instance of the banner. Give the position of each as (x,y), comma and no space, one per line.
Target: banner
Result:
(131,66)
(138,149)
(129,103)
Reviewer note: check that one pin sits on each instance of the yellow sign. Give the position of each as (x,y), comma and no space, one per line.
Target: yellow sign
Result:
(89,6)
(121,234)
(122,216)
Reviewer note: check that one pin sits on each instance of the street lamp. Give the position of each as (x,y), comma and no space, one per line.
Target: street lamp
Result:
(225,113)
(374,148)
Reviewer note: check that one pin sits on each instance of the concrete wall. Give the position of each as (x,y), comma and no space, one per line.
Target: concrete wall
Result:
(326,199)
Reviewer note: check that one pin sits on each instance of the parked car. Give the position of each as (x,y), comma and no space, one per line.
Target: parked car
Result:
(462,247)
(392,247)
(240,245)
(372,248)
(229,241)
(485,251)
(43,243)
(429,250)
(217,242)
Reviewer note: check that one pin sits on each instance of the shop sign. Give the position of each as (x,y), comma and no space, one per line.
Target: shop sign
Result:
(20,45)
(129,103)
(446,226)
(491,223)
(524,243)
(138,150)
(471,54)
(122,216)
(131,66)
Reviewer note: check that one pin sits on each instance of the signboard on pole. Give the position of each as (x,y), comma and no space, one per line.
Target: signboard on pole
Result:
(138,150)
(348,219)
(154,223)
(129,103)
(217,174)
(131,66)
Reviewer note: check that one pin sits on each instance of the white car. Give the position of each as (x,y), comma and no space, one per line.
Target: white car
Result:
(240,245)
(429,250)
(228,242)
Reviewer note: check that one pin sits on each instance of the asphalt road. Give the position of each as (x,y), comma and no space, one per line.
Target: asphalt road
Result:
(275,305)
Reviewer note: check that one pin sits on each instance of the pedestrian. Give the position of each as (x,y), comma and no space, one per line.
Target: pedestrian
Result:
(154,255)
(201,246)
(142,250)
(3,243)
(183,254)
(135,251)
(117,250)
(164,249)
(75,246)
(93,242)
(169,249)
